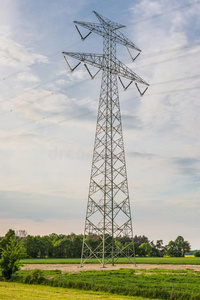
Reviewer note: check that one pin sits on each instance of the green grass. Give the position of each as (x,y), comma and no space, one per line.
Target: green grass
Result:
(182,280)
(139,260)
(153,283)
(13,290)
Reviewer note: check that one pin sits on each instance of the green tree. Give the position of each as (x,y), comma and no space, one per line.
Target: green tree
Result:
(136,248)
(153,251)
(93,241)
(197,254)
(63,248)
(172,249)
(10,257)
(145,249)
(140,239)
(178,247)
(30,245)
(4,241)
(161,249)
(77,246)
(48,244)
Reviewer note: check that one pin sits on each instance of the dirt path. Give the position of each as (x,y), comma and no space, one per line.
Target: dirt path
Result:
(76,268)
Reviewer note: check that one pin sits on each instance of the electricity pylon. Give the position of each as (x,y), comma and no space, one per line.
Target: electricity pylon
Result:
(108,213)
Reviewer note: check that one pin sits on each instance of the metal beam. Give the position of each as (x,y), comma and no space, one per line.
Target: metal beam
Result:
(99,61)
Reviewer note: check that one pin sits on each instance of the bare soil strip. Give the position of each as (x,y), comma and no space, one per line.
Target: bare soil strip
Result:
(91,267)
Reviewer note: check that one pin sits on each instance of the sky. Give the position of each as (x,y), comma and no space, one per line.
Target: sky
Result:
(48,115)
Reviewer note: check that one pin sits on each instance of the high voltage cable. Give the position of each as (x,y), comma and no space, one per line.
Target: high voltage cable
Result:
(33,88)
(145,55)
(162,14)
(169,59)
(35,64)
(88,113)
(155,53)
(174,80)
(64,89)
(160,52)
(146,19)
(43,39)
(47,96)
(30,89)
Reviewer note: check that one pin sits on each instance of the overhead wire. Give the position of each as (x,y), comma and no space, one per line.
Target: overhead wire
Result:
(135,23)
(48,116)
(46,96)
(161,52)
(163,13)
(167,60)
(175,80)
(49,56)
(56,78)
(63,89)
(88,113)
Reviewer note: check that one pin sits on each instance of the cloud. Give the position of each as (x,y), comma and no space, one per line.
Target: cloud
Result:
(189,166)
(167,219)
(37,207)
(48,124)
(17,56)
(27,77)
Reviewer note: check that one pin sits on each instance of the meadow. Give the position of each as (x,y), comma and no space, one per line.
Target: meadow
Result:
(13,290)
(153,283)
(139,260)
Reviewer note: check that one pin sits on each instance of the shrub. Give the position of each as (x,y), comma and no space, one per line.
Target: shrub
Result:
(35,274)
(197,254)
(10,258)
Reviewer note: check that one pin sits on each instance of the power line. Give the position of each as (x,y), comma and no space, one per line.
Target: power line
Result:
(154,53)
(88,113)
(33,65)
(162,14)
(46,96)
(175,80)
(131,24)
(67,88)
(147,55)
(168,59)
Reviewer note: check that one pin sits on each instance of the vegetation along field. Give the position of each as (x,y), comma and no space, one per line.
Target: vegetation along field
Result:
(152,283)
(174,277)
(12,290)
(139,260)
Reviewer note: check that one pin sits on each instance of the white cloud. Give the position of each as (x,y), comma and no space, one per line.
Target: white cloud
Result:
(15,55)
(162,128)
(27,77)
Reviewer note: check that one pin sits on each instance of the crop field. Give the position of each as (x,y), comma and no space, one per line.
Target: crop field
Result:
(152,283)
(13,290)
(139,260)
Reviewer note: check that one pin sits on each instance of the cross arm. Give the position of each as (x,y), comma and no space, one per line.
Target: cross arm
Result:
(101,62)
(89,58)
(115,34)
(123,71)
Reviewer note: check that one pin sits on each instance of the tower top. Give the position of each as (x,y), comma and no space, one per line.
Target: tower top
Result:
(104,27)
(106,21)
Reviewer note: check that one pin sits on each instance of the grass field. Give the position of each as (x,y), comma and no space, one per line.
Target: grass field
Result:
(12,290)
(139,260)
(153,283)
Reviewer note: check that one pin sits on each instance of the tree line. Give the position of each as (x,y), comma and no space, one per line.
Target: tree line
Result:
(70,246)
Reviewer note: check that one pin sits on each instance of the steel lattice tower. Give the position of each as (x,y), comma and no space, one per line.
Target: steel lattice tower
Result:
(108,213)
